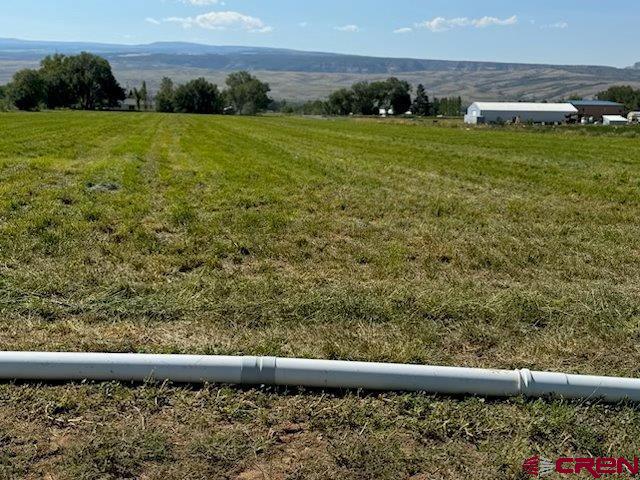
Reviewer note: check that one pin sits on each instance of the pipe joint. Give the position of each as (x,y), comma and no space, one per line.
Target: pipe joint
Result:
(525,382)
(258,371)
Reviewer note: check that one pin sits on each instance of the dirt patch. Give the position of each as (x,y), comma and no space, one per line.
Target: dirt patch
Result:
(103,187)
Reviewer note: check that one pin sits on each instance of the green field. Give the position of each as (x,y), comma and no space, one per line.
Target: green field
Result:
(320,238)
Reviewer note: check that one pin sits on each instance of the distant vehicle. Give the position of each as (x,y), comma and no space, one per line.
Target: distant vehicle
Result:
(634,117)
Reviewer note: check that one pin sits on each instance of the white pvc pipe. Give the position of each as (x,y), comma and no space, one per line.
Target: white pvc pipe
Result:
(312,373)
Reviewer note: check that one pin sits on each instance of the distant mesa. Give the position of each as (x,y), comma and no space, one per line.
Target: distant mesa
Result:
(300,75)
(227,58)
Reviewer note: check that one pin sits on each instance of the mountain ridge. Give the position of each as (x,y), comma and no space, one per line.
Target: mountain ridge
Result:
(17,48)
(299,75)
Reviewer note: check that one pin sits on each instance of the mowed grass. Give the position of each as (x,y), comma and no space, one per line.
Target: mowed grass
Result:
(321,238)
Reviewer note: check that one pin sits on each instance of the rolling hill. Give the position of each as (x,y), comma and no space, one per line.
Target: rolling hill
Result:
(306,75)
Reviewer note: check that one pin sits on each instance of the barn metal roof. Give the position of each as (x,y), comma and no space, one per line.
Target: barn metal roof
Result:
(526,107)
(595,103)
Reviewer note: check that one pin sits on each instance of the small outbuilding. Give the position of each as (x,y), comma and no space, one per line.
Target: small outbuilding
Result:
(519,112)
(614,120)
(129,104)
(596,109)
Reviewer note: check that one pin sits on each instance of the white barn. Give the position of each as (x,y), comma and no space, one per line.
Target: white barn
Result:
(496,112)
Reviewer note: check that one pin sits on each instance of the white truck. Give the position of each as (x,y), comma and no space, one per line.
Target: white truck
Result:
(634,117)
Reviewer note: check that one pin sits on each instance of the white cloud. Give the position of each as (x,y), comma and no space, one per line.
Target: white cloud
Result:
(403,30)
(152,21)
(559,25)
(223,21)
(348,28)
(491,21)
(441,24)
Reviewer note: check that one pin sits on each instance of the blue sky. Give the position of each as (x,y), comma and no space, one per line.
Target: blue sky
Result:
(546,31)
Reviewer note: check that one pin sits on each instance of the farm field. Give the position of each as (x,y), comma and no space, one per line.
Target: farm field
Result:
(347,239)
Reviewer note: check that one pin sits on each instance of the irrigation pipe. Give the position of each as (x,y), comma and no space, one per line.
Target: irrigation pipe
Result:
(38,366)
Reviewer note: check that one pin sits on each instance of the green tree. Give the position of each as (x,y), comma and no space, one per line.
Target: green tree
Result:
(84,81)
(198,96)
(624,94)
(246,94)
(314,107)
(365,98)
(27,90)
(55,73)
(398,95)
(137,95)
(379,95)
(165,98)
(340,102)
(144,95)
(436,107)
(368,98)
(421,105)
(5,103)
(92,82)
(448,106)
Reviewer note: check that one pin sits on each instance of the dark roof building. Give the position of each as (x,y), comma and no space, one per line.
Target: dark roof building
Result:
(597,108)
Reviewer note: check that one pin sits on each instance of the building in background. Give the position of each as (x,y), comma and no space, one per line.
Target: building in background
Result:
(597,109)
(514,112)
(614,120)
(130,104)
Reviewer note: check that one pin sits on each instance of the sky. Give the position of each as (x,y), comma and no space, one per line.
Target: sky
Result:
(595,32)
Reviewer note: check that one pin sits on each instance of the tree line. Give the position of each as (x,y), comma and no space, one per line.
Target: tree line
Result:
(86,82)
(370,98)
(244,95)
(624,94)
